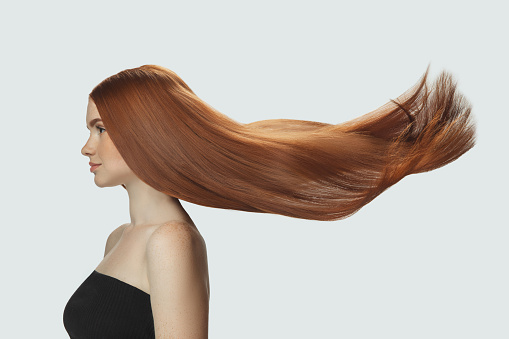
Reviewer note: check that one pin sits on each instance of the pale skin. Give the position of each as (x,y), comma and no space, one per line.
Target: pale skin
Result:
(160,251)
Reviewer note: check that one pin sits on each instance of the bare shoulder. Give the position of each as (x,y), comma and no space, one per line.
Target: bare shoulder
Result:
(176,245)
(177,234)
(177,248)
(114,237)
(178,279)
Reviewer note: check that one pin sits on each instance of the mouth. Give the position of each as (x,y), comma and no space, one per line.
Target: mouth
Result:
(93,167)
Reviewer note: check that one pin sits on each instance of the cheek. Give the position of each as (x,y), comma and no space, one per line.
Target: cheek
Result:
(107,150)
(109,153)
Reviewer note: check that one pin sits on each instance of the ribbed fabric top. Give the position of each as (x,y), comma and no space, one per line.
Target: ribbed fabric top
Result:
(105,307)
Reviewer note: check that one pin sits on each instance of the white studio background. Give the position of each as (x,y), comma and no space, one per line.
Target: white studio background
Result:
(426,259)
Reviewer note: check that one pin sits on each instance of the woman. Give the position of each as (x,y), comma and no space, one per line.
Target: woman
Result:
(162,143)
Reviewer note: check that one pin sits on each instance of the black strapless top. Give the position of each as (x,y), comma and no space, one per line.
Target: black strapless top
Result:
(105,307)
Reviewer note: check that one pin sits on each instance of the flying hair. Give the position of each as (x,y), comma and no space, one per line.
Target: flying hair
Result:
(181,146)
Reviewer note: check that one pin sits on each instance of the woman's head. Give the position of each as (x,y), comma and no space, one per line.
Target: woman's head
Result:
(160,128)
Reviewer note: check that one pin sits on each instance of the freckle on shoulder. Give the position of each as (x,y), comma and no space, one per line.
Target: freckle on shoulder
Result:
(174,231)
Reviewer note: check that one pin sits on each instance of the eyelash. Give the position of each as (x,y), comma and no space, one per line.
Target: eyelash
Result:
(100,129)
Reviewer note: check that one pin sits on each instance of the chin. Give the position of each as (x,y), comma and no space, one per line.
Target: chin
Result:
(101,183)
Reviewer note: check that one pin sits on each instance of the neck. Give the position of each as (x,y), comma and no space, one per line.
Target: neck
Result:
(148,206)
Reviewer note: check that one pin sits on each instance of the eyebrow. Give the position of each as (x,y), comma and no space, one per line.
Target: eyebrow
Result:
(92,123)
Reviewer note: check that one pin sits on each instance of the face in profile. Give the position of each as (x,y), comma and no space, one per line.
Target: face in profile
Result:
(112,169)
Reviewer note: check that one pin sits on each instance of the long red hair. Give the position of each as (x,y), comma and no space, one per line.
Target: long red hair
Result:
(181,146)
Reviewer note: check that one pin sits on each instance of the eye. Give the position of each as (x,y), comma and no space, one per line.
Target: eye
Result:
(100,128)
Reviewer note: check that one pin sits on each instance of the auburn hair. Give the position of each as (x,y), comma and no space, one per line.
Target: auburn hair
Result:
(181,146)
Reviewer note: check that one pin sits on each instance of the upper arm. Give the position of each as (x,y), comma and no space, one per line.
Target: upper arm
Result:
(178,278)
(113,238)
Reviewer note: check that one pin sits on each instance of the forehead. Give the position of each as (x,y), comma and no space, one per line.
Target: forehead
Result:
(92,112)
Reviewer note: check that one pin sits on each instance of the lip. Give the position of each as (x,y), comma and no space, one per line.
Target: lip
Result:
(94,167)
(92,164)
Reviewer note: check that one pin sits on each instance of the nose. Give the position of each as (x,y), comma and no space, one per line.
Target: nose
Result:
(88,149)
